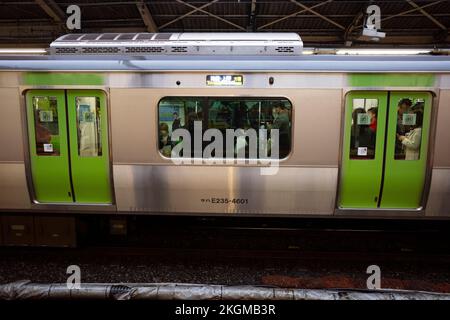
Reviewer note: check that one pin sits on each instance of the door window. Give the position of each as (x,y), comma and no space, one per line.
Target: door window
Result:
(364,128)
(88,126)
(45,110)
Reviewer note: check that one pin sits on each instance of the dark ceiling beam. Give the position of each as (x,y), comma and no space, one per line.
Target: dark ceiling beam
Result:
(162,15)
(403,13)
(18,31)
(187,14)
(292,15)
(300,16)
(146,17)
(212,15)
(426,14)
(52,9)
(318,14)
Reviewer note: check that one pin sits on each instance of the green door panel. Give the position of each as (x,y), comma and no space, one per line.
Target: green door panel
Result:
(404,179)
(49,157)
(361,175)
(89,151)
(63,78)
(391,79)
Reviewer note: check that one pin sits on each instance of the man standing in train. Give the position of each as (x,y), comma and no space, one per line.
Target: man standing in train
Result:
(403,107)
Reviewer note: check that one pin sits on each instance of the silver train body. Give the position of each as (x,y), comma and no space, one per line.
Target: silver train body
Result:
(145,182)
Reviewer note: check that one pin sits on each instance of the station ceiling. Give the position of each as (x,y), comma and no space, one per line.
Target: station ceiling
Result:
(330,23)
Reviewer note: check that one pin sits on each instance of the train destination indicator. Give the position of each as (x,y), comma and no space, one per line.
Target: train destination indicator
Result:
(224,80)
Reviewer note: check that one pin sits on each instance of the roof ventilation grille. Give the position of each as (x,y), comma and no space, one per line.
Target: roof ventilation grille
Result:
(179,49)
(144,49)
(100,50)
(227,43)
(285,49)
(66,50)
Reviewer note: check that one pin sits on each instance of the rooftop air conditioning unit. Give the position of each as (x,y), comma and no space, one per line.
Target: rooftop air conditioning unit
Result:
(139,44)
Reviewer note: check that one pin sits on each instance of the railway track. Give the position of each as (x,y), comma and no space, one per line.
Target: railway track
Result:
(286,258)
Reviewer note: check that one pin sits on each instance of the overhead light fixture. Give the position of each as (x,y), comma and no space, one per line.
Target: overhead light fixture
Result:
(22,51)
(382,51)
(308,51)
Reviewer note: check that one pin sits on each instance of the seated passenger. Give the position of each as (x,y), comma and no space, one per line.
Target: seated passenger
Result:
(165,145)
(411,141)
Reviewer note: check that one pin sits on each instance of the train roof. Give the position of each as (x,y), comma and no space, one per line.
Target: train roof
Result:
(221,52)
(173,63)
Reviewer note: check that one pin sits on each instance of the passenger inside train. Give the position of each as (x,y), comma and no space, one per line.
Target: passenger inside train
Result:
(373,113)
(165,144)
(402,108)
(409,129)
(411,141)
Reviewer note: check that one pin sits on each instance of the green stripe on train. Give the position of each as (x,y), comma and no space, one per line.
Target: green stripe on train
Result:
(63,78)
(391,80)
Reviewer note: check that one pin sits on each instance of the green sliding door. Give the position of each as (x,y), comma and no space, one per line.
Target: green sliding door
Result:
(385,149)
(47,133)
(406,161)
(362,165)
(69,153)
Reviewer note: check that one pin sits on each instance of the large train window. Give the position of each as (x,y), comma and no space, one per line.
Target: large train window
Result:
(249,119)
(46,126)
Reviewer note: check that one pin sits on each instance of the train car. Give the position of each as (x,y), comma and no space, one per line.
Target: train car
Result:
(90,128)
